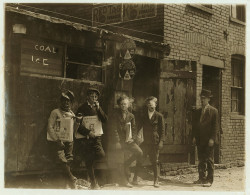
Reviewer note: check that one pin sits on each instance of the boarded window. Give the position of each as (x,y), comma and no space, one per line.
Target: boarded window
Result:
(237,84)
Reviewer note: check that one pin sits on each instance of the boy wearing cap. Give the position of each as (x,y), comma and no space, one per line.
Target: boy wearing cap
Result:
(89,146)
(205,127)
(62,150)
(154,135)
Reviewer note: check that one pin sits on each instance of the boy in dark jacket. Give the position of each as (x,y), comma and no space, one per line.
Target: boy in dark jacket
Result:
(154,135)
(124,132)
(88,143)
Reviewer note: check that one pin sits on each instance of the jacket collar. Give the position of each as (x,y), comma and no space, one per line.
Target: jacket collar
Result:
(153,116)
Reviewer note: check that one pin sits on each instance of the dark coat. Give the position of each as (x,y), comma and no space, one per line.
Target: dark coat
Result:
(207,128)
(86,110)
(154,128)
(117,126)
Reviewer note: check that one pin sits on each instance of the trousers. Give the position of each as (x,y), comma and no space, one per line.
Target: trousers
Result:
(62,156)
(136,155)
(152,150)
(89,150)
(206,163)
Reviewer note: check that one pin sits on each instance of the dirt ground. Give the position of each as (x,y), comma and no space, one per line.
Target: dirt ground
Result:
(230,179)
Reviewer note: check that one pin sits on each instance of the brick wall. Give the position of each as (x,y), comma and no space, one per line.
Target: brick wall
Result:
(191,33)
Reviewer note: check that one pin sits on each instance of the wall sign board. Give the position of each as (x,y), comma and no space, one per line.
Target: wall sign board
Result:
(138,11)
(118,13)
(41,57)
(108,14)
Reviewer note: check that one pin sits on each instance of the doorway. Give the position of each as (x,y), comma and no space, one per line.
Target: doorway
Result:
(212,81)
(145,82)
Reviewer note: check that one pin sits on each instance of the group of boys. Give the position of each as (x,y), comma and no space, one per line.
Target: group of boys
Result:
(89,146)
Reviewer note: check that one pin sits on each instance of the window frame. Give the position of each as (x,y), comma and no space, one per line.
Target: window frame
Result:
(239,89)
(233,14)
(83,64)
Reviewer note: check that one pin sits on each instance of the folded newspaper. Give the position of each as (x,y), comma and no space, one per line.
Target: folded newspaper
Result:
(92,123)
(64,128)
(128,132)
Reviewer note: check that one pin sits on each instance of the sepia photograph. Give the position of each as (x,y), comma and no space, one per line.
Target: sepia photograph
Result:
(125,96)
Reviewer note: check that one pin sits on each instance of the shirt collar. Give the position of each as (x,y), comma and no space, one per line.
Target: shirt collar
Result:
(206,107)
(151,112)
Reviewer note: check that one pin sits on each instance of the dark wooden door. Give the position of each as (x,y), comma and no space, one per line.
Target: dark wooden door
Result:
(176,98)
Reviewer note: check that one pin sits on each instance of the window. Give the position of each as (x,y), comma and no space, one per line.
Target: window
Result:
(238,12)
(237,84)
(84,64)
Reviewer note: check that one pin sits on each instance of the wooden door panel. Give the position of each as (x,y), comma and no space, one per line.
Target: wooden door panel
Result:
(167,106)
(179,111)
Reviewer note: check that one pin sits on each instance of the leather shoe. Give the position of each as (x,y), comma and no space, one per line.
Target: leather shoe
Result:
(156,184)
(135,182)
(128,185)
(207,184)
(95,187)
(199,181)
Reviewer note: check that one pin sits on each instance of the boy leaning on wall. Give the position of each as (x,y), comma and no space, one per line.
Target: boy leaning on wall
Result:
(61,125)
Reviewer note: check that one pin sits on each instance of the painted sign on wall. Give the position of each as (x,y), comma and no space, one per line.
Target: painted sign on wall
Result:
(107,14)
(117,13)
(138,11)
(41,57)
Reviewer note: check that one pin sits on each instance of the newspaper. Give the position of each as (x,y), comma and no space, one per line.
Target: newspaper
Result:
(92,123)
(128,132)
(64,128)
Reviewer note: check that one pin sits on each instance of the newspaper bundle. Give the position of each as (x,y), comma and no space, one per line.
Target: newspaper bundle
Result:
(92,123)
(64,128)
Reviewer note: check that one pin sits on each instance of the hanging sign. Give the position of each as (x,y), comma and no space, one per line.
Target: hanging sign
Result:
(127,70)
(128,49)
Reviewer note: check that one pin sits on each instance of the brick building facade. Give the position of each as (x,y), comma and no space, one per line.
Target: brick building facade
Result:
(195,34)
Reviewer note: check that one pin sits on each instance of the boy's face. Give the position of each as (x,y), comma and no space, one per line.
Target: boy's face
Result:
(65,104)
(124,105)
(151,105)
(92,97)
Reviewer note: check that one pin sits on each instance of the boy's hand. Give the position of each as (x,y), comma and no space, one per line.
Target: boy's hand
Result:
(97,105)
(160,145)
(91,134)
(194,141)
(211,143)
(78,117)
